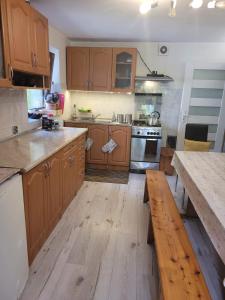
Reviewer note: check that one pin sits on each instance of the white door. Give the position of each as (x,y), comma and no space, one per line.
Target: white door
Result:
(203,102)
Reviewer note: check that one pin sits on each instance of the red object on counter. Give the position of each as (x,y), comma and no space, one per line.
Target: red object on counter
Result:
(61,101)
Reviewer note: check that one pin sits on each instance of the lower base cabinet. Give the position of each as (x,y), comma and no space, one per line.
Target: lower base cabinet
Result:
(119,159)
(48,190)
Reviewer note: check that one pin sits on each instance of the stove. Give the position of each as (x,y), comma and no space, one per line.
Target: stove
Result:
(145,146)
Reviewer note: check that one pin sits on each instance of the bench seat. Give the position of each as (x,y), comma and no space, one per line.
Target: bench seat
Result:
(180,274)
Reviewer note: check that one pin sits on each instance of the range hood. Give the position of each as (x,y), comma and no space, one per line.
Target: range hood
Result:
(154,76)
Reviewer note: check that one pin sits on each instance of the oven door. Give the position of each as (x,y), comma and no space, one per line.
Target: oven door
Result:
(145,149)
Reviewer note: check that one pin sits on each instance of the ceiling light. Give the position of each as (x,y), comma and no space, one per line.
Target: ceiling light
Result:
(196,3)
(220,4)
(145,7)
(173,4)
(212,4)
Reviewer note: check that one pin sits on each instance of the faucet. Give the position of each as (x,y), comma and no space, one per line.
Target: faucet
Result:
(95,116)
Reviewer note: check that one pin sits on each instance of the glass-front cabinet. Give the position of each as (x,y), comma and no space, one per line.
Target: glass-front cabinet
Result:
(4,48)
(124,69)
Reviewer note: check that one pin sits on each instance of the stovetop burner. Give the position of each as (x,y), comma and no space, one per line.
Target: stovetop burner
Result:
(144,123)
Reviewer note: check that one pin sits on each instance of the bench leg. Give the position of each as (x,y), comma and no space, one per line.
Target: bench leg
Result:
(146,198)
(150,239)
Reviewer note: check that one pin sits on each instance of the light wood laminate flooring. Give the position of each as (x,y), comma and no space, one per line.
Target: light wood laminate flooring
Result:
(98,250)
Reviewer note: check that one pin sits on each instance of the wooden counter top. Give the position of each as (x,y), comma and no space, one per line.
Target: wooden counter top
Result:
(27,150)
(6,173)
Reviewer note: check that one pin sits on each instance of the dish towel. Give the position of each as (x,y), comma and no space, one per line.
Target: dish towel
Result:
(110,146)
(89,142)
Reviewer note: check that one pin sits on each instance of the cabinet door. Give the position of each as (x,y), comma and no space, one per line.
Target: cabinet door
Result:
(124,69)
(78,68)
(74,172)
(121,155)
(35,200)
(99,135)
(4,48)
(40,44)
(54,191)
(19,25)
(100,69)
(66,181)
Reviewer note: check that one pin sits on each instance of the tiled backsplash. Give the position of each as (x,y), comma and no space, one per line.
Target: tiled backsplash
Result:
(13,111)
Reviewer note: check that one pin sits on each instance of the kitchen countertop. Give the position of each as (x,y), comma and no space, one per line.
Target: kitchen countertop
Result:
(28,150)
(97,122)
(6,173)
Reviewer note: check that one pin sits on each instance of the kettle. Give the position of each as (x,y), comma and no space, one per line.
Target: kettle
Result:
(153,119)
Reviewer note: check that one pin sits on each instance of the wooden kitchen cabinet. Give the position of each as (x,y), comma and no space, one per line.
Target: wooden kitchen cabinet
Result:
(35,186)
(28,38)
(4,48)
(20,32)
(100,75)
(78,60)
(70,173)
(101,69)
(54,208)
(124,69)
(40,42)
(99,135)
(121,155)
(48,190)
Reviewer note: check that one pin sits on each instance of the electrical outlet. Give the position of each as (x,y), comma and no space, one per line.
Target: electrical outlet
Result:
(15,130)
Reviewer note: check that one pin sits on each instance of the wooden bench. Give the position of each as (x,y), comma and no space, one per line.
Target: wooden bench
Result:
(180,274)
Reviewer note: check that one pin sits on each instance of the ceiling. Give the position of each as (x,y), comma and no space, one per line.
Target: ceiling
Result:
(120,20)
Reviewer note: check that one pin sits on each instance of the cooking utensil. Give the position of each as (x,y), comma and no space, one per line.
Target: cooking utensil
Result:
(128,118)
(120,118)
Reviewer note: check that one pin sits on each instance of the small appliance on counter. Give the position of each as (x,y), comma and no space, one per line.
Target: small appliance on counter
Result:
(49,122)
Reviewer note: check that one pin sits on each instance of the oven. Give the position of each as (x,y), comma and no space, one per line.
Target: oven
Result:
(145,148)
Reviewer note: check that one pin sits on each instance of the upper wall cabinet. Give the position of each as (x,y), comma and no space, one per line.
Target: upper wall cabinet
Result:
(89,69)
(101,69)
(78,68)
(4,48)
(124,69)
(28,38)
(100,76)
(19,24)
(40,43)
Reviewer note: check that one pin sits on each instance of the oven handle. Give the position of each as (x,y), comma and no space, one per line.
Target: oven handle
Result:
(152,140)
(146,138)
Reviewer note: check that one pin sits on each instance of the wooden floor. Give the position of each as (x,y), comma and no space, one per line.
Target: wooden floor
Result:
(98,251)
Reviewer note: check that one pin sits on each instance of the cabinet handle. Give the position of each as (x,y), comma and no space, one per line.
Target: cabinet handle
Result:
(35,60)
(32,59)
(9,72)
(46,169)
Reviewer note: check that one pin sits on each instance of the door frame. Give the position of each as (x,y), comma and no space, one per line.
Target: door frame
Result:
(185,104)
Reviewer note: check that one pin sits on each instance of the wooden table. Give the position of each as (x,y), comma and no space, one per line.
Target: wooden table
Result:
(203,176)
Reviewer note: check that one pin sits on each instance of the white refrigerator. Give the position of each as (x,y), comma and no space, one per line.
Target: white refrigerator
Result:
(13,244)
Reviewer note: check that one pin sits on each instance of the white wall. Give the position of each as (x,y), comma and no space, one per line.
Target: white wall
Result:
(172,65)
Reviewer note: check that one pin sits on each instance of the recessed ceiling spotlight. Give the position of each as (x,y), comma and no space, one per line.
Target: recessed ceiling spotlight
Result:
(212,4)
(145,7)
(173,4)
(196,3)
(220,4)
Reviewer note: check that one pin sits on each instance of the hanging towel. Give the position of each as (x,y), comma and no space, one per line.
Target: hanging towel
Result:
(89,142)
(110,146)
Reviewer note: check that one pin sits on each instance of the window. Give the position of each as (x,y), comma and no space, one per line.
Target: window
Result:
(35,99)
